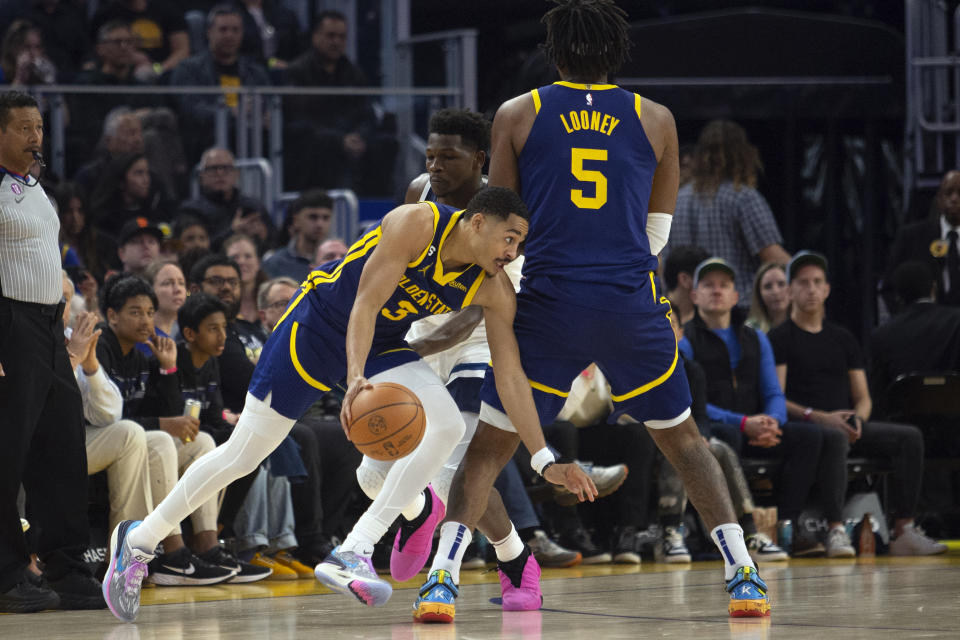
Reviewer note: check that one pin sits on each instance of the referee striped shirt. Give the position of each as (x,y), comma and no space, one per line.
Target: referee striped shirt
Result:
(29,244)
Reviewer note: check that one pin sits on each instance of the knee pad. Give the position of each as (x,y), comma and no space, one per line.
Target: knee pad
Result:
(370,479)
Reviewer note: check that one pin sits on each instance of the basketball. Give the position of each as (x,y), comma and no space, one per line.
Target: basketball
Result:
(388,421)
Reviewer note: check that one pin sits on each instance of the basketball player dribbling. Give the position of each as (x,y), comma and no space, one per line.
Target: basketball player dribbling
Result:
(349,321)
(598,168)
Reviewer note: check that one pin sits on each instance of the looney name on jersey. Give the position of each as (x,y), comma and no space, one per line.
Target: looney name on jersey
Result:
(584,120)
(429,302)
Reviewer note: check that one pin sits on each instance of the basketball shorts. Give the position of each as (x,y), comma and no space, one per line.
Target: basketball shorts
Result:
(299,364)
(636,350)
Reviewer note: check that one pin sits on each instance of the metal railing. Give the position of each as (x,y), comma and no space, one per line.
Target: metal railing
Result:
(255,105)
(932,127)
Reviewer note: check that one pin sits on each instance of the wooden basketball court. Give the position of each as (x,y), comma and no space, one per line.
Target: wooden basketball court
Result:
(871,598)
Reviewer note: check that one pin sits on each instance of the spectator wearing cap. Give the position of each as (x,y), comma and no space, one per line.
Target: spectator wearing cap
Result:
(139,245)
(678,277)
(923,337)
(744,400)
(220,204)
(308,222)
(822,370)
(934,242)
(721,210)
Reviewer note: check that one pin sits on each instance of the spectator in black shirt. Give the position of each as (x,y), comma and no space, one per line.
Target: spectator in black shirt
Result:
(221,65)
(220,204)
(151,397)
(923,337)
(271,33)
(337,139)
(308,222)
(821,369)
(219,276)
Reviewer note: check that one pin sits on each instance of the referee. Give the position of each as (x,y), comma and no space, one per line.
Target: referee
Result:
(41,415)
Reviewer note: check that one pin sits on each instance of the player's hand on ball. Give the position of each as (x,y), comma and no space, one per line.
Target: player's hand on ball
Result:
(346,412)
(574,479)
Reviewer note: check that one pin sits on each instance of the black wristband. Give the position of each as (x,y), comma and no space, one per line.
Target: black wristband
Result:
(543,471)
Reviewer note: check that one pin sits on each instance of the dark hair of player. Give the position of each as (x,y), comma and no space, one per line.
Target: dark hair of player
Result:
(13,100)
(586,38)
(120,288)
(682,259)
(496,201)
(471,126)
(197,308)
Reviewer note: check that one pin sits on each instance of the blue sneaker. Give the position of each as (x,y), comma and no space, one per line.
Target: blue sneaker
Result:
(748,595)
(353,574)
(128,568)
(436,600)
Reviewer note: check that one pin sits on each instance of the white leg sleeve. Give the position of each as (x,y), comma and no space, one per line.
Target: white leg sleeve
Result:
(443,480)
(259,431)
(408,476)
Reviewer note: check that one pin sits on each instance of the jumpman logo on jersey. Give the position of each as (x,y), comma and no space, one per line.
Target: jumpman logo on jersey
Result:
(423,271)
(590,99)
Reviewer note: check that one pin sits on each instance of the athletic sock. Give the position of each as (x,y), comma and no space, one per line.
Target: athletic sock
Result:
(510,547)
(454,538)
(416,508)
(147,534)
(729,539)
(358,543)
(749,526)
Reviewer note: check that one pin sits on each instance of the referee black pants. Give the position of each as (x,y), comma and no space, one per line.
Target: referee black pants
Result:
(42,443)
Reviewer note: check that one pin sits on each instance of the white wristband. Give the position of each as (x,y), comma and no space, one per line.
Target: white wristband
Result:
(541,458)
(658,231)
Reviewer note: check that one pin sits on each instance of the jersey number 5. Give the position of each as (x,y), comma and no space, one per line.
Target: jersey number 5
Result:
(577,157)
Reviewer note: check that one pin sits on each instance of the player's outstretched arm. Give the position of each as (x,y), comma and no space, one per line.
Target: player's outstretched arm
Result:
(407,230)
(499,306)
(457,328)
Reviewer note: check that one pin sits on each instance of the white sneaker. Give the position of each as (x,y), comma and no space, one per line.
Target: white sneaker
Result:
(762,549)
(672,550)
(914,542)
(838,544)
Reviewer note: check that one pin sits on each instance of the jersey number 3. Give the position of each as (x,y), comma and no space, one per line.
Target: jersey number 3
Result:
(577,158)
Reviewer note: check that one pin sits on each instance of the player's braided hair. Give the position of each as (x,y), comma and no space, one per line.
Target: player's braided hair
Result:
(586,38)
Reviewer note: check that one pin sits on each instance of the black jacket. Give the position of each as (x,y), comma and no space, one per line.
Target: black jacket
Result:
(913,242)
(203,384)
(922,337)
(737,390)
(147,395)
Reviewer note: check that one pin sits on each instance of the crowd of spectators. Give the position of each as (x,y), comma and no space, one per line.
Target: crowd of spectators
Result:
(337,141)
(184,290)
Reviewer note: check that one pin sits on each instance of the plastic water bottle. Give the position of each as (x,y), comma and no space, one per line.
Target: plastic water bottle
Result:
(785,535)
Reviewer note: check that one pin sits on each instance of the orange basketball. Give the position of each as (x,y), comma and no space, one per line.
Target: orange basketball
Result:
(388,421)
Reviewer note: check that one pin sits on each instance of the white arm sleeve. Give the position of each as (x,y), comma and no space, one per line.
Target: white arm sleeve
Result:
(658,231)
(102,402)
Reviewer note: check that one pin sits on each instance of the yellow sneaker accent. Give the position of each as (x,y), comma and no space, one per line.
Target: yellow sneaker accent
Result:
(285,559)
(280,572)
(749,608)
(434,612)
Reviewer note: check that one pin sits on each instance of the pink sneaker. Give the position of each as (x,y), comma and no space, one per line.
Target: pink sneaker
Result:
(407,562)
(527,596)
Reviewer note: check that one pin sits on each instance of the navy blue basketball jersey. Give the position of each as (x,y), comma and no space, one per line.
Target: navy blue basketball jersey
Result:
(327,295)
(586,171)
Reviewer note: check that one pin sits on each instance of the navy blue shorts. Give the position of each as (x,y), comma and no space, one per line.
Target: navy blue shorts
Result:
(299,364)
(636,350)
